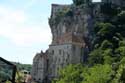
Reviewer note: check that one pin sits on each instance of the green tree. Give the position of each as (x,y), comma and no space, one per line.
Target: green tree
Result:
(97,74)
(70,74)
(96,57)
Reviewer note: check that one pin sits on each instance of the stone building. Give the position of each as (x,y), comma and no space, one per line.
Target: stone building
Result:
(67,51)
(72,32)
(39,70)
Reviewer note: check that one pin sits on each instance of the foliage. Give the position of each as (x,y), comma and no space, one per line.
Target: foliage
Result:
(81,74)
(20,77)
(97,74)
(71,74)
(64,12)
(120,75)
(20,66)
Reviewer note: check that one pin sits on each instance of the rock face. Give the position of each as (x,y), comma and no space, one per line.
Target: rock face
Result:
(70,19)
(72,32)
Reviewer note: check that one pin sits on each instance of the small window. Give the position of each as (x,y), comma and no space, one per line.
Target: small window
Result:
(74,48)
(58,68)
(34,79)
(59,52)
(62,65)
(66,60)
(52,52)
(68,55)
(59,59)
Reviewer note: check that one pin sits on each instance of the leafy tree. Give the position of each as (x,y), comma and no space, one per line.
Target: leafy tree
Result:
(96,57)
(70,74)
(97,74)
(120,75)
(82,74)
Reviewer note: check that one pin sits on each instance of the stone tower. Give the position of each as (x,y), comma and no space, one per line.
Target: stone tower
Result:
(39,70)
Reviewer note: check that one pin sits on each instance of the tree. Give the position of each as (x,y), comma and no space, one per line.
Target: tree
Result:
(95,57)
(70,74)
(97,74)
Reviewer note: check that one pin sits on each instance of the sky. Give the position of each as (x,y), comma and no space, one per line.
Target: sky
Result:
(24,29)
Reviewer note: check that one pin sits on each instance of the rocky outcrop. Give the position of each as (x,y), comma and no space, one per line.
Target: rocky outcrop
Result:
(75,20)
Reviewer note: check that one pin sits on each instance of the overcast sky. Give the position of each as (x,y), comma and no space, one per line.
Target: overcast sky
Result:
(24,29)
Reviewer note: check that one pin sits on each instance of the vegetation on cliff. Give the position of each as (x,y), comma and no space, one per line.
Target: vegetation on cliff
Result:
(106,62)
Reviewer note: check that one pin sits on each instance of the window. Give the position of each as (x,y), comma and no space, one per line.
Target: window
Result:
(59,52)
(58,68)
(68,55)
(74,48)
(66,60)
(62,65)
(52,52)
(34,79)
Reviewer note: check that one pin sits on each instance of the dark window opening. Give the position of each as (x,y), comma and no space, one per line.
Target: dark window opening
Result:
(59,52)
(52,52)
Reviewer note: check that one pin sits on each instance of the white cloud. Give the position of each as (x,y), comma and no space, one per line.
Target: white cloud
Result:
(14,25)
